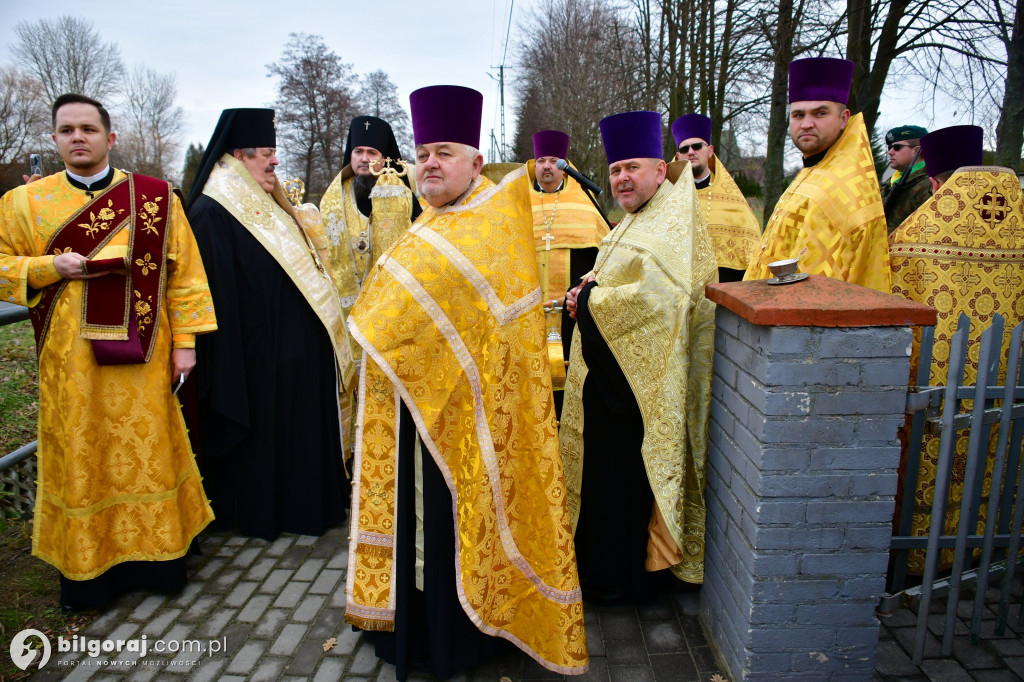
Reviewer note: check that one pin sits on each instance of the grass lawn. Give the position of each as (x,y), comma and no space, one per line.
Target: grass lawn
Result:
(19,386)
(29,587)
(30,597)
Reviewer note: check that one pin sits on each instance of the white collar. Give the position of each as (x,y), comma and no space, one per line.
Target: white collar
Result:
(88,180)
(706,176)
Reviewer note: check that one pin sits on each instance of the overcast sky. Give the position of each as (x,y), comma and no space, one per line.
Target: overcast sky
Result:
(219,49)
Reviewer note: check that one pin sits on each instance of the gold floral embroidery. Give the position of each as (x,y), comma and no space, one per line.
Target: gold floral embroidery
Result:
(146,264)
(148,216)
(100,220)
(143,311)
(257,213)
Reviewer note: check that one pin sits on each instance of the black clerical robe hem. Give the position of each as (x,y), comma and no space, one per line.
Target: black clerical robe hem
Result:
(616,496)
(432,631)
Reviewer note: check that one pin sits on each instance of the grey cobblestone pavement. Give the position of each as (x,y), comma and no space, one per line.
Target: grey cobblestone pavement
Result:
(263,611)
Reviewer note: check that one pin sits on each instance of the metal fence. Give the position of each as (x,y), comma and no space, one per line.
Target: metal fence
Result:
(18,468)
(986,537)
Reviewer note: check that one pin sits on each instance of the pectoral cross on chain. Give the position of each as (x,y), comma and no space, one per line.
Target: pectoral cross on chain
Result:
(548,238)
(367,124)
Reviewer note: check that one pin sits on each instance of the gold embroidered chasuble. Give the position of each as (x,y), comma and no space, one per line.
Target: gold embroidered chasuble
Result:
(117,480)
(733,227)
(343,224)
(651,310)
(574,224)
(833,209)
(962,251)
(450,324)
(234,188)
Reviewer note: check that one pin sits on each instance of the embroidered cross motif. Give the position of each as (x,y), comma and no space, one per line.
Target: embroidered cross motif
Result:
(970,229)
(379,389)
(377,495)
(1009,281)
(966,279)
(1012,232)
(992,208)
(367,124)
(920,276)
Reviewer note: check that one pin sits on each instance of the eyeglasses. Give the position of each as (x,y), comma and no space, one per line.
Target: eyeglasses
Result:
(901,145)
(697,146)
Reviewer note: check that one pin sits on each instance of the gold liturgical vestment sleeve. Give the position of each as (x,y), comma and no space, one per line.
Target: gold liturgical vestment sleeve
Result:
(834,209)
(117,480)
(962,251)
(450,324)
(650,307)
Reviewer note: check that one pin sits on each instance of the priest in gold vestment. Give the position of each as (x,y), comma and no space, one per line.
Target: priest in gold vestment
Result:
(733,227)
(363,217)
(833,207)
(961,252)
(461,538)
(119,497)
(567,227)
(634,430)
(363,212)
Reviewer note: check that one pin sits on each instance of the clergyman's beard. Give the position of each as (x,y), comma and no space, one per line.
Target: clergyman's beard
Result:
(362,184)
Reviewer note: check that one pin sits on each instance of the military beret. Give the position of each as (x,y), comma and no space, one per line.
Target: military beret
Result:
(900,133)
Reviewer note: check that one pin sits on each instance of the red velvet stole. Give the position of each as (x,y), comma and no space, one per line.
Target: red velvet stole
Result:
(121,310)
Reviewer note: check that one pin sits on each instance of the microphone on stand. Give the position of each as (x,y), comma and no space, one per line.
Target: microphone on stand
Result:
(563,165)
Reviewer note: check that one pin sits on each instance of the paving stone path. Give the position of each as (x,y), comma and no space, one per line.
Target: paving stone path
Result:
(263,611)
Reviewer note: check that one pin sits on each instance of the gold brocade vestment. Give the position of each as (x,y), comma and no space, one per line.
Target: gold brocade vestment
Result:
(962,251)
(450,324)
(733,227)
(651,310)
(117,480)
(572,222)
(833,209)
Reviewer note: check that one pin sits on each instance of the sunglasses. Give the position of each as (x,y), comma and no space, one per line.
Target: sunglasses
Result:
(901,145)
(697,146)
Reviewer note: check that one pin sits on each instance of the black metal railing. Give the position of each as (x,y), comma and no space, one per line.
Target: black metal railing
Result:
(18,468)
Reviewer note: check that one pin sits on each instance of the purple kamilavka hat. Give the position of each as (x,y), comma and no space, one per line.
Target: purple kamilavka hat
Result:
(820,79)
(550,143)
(947,149)
(632,135)
(446,113)
(691,125)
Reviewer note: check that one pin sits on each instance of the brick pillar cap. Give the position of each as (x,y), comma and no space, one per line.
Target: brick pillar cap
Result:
(818,301)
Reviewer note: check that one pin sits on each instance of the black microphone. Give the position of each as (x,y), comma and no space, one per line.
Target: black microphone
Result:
(563,165)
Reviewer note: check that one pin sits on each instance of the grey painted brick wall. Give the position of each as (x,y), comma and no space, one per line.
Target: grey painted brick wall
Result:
(800,496)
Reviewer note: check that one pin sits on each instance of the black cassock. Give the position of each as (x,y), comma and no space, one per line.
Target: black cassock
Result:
(615,509)
(581,261)
(269,445)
